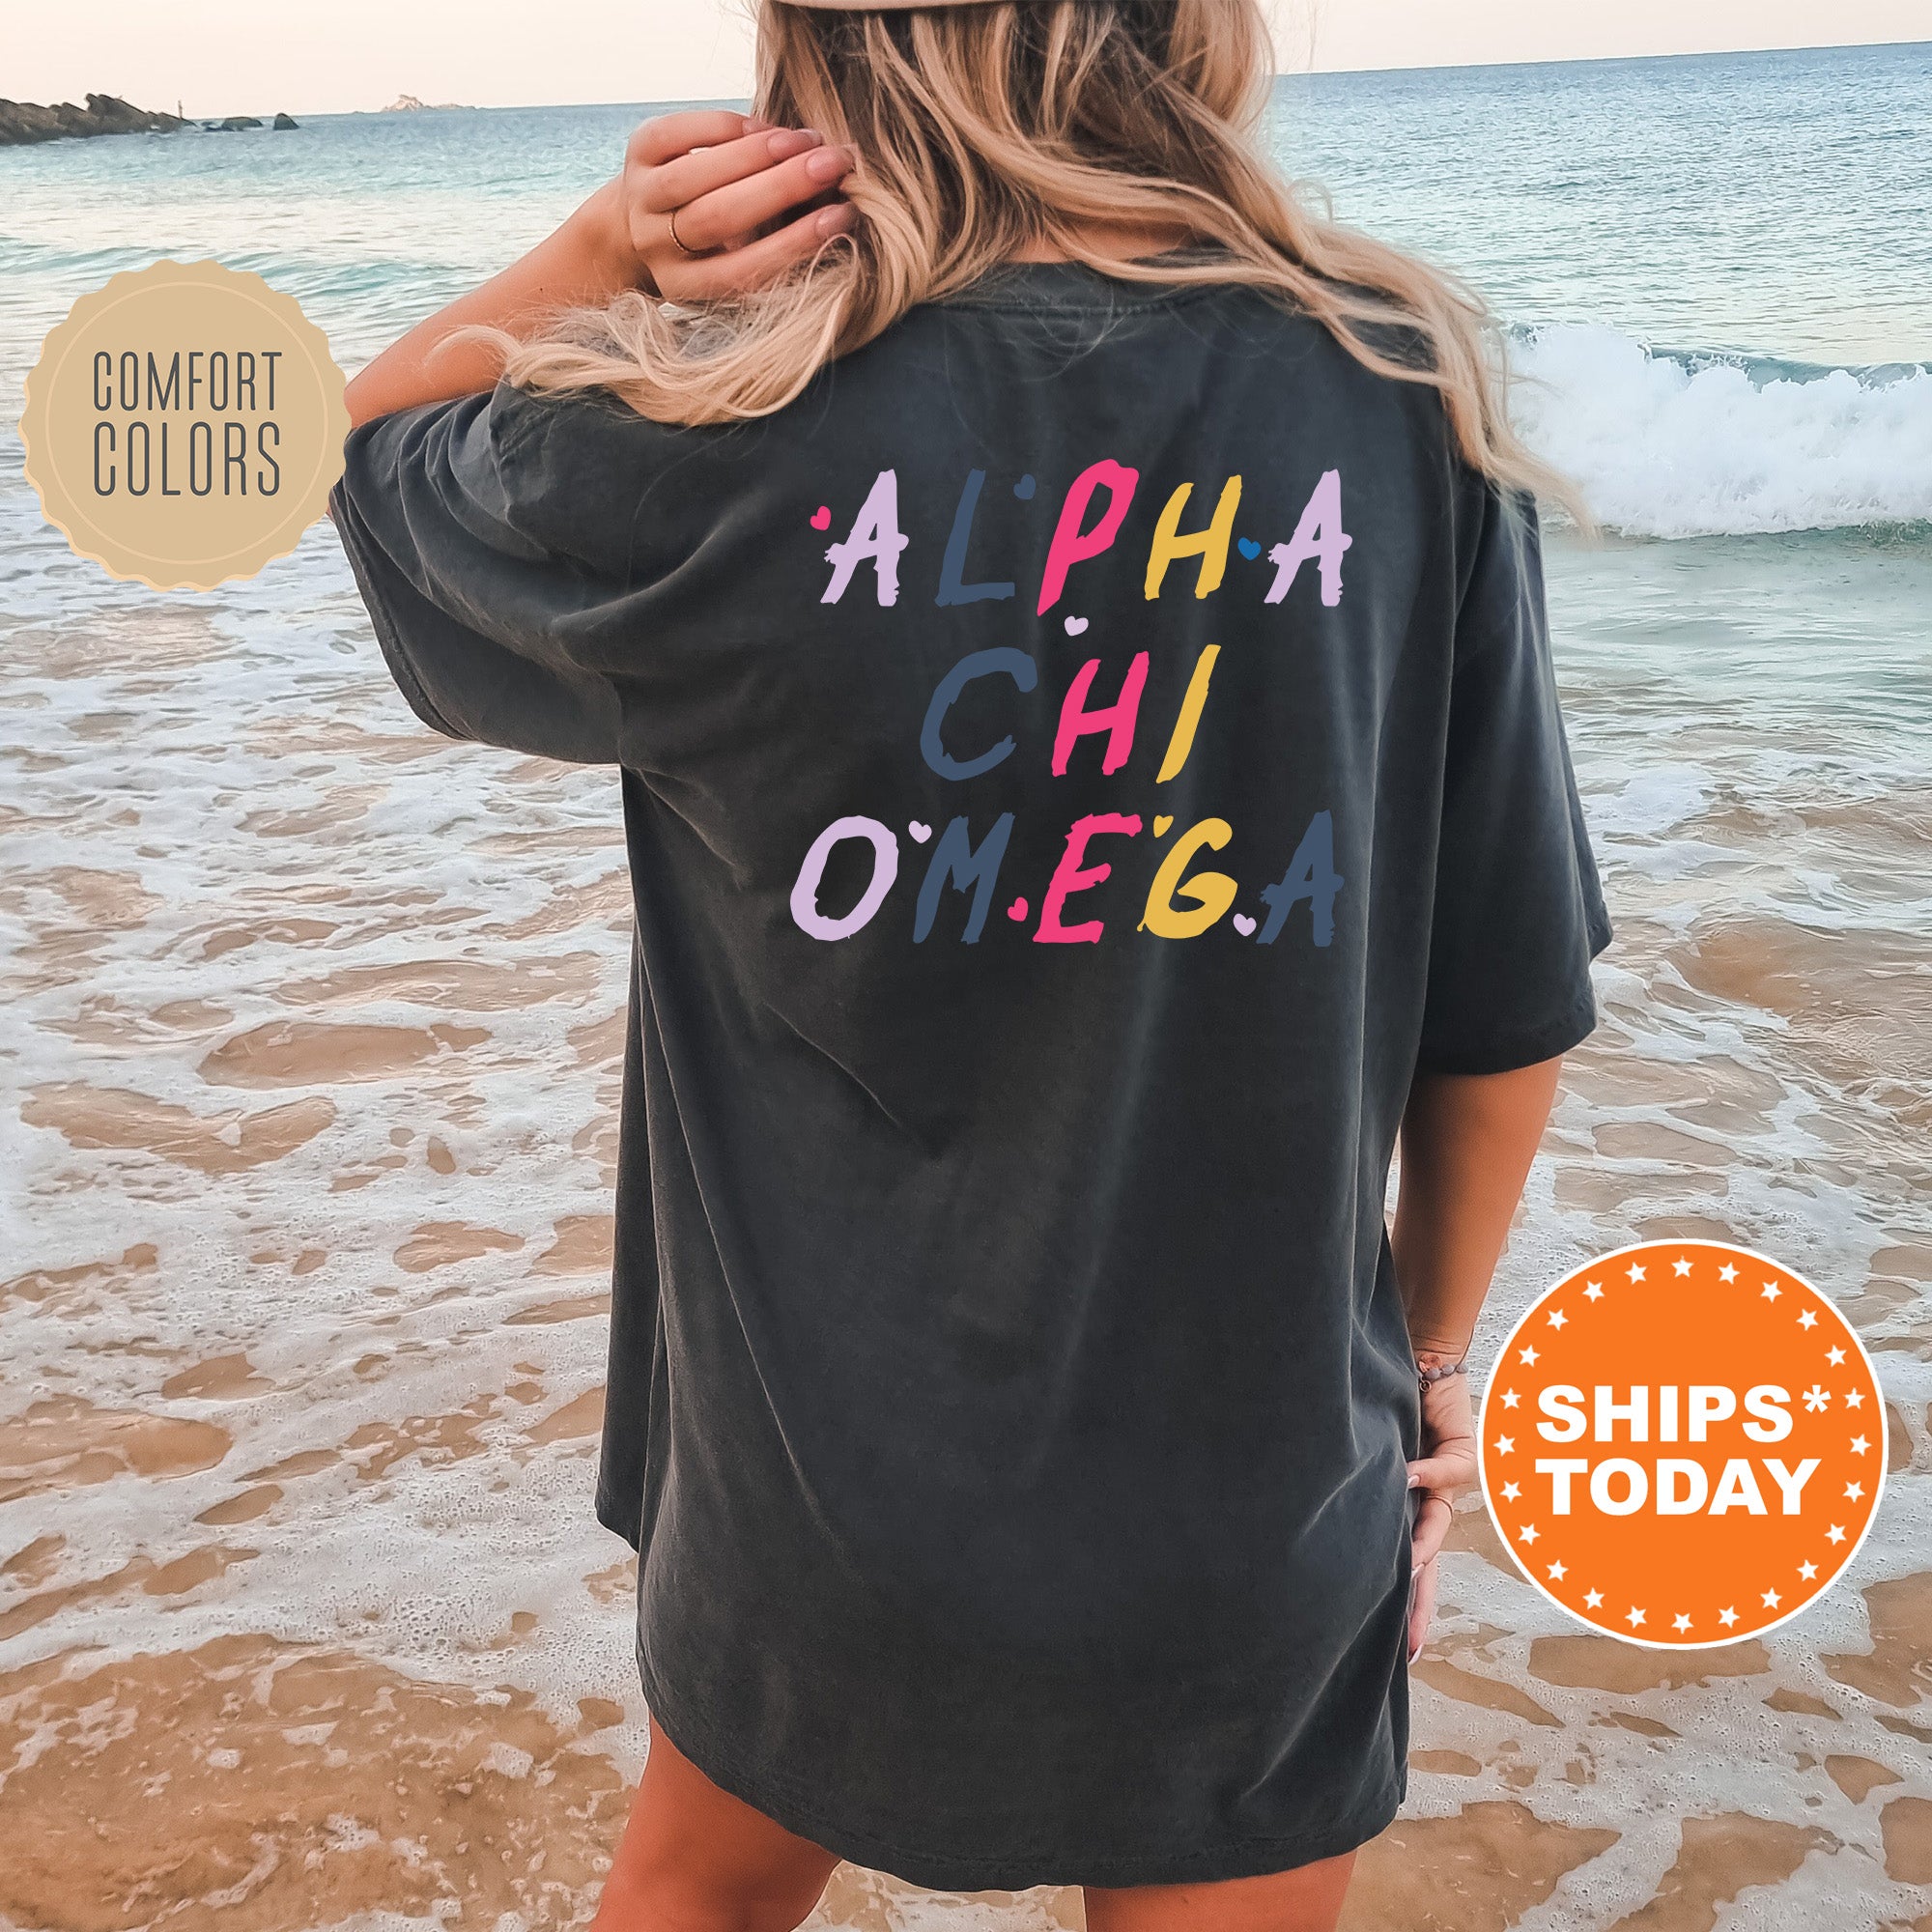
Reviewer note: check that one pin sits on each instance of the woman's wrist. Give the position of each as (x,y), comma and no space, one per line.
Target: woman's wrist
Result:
(603,236)
(1436,1352)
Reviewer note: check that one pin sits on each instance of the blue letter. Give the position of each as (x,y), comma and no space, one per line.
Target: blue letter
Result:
(1017,666)
(955,857)
(1312,876)
(950,589)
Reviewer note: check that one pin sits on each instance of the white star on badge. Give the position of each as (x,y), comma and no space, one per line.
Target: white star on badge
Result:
(1854,1491)
(1594,1292)
(1727,1616)
(1771,1291)
(1809,1319)
(1807,1571)
(1557,1573)
(1728,1272)
(1680,1622)
(1772,1600)
(1510,1491)
(1680,1266)
(1527,1357)
(1511,1398)
(1529,1532)
(1815,1398)
(1854,1398)
(1592,1598)
(1634,1617)
(1835,1534)
(1835,1356)
(1634,1272)
(1557,1318)
(1504,1444)
(1860,1445)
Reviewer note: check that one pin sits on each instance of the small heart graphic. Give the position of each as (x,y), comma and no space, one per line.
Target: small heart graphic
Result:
(821,518)
(921,833)
(1161,824)
(1017,910)
(1023,489)
(1248,548)
(1075,625)
(1243,924)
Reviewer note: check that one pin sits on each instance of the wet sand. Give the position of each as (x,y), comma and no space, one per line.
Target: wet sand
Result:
(304,1619)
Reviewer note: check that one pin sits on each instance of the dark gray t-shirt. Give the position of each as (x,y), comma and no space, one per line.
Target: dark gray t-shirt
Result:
(1053,860)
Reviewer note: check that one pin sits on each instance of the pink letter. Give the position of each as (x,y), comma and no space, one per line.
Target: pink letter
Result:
(1117,719)
(1070,544)
(1070,876)
(1318,534)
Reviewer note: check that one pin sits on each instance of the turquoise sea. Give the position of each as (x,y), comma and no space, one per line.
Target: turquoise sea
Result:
(309,1057)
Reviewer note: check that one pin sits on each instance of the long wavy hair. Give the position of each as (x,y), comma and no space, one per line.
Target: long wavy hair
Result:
(982,131)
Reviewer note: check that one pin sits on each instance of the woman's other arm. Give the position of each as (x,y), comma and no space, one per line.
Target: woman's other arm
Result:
(1467,1141)
(731,182)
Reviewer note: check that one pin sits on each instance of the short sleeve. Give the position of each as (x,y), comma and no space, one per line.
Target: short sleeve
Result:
(439,509)
(1518,911)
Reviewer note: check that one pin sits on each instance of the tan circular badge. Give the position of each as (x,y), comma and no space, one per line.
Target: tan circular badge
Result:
(184,425)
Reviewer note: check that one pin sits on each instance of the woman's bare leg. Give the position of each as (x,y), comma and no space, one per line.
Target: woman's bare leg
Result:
(1306,1899)
(694,1858)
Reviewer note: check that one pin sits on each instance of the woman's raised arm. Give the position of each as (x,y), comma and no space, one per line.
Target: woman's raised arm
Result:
(727,179)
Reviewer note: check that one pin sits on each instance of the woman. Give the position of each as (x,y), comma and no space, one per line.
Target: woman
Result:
(1070,625)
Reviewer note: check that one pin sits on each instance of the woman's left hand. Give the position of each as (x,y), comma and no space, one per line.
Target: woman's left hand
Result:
(1445,1468)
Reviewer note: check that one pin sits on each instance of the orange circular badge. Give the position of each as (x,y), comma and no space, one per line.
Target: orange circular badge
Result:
(1683,1444)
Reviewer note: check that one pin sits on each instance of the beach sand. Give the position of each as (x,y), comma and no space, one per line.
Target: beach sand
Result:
(314,1025)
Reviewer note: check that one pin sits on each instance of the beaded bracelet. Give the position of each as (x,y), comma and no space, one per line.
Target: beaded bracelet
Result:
(1427,1376)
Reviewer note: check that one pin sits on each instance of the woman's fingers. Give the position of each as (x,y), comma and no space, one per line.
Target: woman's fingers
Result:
(742,206)
(1421,1609)
(757,262)
(725,179)
(700,171)
(1449,1470)
(1432,1530)
(655,142)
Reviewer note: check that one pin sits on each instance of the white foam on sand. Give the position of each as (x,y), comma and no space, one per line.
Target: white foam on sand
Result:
(1673,445)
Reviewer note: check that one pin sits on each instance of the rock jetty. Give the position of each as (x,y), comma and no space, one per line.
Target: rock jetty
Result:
(23,122)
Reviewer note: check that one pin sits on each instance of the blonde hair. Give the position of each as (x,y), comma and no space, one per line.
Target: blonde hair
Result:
(983,131)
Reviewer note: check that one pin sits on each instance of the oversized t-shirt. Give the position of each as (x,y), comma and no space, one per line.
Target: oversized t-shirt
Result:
(1079,761)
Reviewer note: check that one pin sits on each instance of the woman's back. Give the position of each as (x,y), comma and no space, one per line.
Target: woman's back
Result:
(1081,759)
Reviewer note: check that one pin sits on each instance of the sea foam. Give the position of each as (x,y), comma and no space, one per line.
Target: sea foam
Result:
(1669,444)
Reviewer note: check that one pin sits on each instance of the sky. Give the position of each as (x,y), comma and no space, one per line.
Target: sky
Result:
(242,56)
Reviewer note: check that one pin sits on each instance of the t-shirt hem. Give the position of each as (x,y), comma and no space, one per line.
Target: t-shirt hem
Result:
(1506,1054)
(1009,1869)
(383,620)
(612,1518)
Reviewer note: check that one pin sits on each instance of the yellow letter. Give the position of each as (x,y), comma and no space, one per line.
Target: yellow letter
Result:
(1212,893)
(1210,545)
(1183,742)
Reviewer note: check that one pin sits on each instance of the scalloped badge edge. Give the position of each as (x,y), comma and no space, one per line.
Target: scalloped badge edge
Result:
(33,420)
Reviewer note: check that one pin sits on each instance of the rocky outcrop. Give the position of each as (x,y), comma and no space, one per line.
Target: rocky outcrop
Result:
(282,121)
(22,120)
(232,125)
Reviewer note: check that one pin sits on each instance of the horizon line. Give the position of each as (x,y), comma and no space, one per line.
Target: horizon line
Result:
(1308,72)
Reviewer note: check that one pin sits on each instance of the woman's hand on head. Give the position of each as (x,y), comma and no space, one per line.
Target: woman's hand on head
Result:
(1445,1468)
(750,201)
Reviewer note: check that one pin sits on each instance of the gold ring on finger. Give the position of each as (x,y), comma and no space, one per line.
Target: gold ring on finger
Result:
(677,240)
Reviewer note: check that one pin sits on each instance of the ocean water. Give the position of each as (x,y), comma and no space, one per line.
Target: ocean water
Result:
(310,1081)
